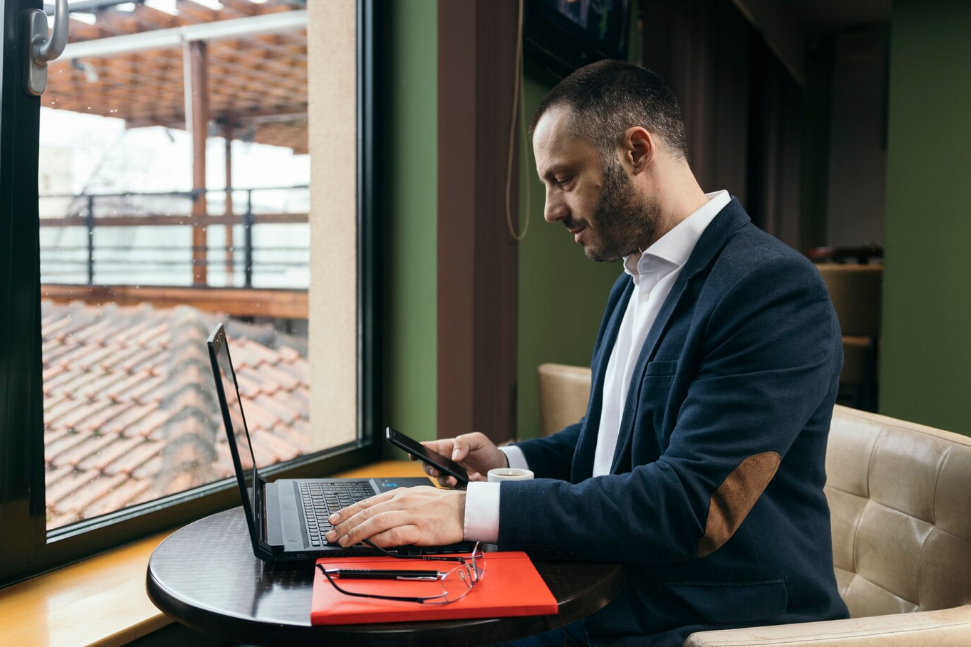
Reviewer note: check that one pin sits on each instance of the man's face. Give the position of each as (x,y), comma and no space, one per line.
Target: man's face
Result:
(598,203)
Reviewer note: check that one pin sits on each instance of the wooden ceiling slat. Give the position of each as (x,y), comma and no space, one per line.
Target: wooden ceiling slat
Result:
(249,77)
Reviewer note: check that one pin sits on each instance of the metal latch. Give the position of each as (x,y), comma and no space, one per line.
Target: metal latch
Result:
(41,50)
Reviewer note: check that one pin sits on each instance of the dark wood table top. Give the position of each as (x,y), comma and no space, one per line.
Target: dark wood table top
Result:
(205,576)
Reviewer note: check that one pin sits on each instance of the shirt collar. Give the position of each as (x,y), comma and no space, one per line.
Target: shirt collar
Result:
(676,246)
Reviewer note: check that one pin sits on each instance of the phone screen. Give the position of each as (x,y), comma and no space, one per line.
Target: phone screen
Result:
(422,453)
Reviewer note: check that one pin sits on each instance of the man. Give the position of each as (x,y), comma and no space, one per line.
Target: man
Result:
(700,462)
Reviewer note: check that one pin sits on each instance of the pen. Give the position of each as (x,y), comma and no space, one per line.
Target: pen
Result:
(383,574)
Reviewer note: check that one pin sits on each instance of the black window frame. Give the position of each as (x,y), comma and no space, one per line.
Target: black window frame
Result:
(27,548)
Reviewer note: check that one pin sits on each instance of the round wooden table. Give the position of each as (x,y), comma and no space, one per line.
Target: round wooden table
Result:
(205,576)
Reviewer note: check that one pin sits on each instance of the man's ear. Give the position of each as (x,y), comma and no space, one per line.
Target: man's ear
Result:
(639,148)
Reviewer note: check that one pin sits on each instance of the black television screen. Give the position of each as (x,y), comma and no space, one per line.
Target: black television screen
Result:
(568,34)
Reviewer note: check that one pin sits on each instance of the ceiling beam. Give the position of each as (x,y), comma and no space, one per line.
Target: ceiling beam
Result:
(224,29)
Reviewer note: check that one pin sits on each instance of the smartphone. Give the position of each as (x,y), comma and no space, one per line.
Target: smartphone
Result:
(422,453)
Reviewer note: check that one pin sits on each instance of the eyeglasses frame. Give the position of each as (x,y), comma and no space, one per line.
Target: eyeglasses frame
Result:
(476,573)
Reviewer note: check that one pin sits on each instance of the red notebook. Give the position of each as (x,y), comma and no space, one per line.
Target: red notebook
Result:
(510,586)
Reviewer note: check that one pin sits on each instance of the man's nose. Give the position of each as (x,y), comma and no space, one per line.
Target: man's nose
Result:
(555,210)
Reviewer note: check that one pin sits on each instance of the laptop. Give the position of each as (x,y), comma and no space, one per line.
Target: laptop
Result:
(287,519)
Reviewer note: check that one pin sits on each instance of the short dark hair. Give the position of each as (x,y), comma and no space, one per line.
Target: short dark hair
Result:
(608,97)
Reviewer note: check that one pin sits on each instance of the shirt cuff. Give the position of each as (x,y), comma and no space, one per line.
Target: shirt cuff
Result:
(482,512)
(515,456)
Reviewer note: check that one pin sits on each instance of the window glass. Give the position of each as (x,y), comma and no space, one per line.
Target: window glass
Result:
(174,173)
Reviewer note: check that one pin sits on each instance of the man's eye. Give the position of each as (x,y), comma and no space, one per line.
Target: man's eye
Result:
(562,181)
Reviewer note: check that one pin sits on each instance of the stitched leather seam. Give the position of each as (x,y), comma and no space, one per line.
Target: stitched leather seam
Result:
(937,482)
(887,591)
(869,470)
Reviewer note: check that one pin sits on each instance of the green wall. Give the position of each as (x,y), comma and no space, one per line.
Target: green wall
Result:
(409,153)
(562,293)
(926,345)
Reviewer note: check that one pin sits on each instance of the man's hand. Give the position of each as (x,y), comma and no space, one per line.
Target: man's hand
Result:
(475,452)
(420,516)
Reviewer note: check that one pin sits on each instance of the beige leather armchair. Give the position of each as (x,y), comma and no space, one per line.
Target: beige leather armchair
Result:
(900,499)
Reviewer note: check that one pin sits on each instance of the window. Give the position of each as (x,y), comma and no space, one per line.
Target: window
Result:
(163,184)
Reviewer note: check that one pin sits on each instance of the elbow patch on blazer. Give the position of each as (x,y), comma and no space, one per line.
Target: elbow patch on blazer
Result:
(735,498)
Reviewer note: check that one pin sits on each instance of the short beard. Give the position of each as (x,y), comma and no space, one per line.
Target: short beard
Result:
(622,219)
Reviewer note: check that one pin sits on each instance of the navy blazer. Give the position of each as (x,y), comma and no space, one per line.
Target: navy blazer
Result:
(715,495)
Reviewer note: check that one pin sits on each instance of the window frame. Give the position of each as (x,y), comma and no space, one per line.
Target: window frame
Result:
(27,548)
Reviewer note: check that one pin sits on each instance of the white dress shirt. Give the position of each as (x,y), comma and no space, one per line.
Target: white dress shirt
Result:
(654,273)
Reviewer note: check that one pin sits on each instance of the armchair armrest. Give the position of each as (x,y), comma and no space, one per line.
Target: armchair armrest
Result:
(944,628)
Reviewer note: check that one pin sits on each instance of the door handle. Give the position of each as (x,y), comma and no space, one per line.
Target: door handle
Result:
(41,50)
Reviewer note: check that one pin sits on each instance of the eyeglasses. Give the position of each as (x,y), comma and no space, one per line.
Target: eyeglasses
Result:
(455,583)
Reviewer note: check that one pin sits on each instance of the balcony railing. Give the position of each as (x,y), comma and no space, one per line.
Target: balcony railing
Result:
(86,260)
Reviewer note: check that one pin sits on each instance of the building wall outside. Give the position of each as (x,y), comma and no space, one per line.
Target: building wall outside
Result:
(925,356)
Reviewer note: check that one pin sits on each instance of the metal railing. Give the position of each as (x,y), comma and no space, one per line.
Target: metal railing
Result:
(83,211)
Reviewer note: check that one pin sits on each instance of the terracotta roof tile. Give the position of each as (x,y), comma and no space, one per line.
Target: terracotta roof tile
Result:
(125,493)
(130,405)
(53,372)
(66,443)
(67,484)
(142,392)
(134,458)
(99,383)
(150,425)
(250,387)
(278,409)
(285,379)
(300,369)
(281,448)
(149,471)
(123,422)
(110,453)
(82,498)
(287,354)
(92,444)
(122,355)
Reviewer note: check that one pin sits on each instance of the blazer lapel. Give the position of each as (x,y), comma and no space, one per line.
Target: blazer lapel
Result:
(706,250)
(587,443)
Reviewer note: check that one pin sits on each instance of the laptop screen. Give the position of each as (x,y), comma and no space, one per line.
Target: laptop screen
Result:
(236,424)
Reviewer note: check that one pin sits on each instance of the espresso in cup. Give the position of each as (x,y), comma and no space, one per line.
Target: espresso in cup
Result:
(508,474)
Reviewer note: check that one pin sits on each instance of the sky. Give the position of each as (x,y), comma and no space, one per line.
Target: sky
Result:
(107,158)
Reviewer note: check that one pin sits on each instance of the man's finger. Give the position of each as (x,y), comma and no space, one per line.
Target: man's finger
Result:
(380,521)
(351,510)
(443,447)
(460,448)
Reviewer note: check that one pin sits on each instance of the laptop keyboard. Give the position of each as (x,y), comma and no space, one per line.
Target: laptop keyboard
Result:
(320,500)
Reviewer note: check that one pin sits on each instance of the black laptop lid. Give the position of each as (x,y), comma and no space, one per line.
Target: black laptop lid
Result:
(237,434)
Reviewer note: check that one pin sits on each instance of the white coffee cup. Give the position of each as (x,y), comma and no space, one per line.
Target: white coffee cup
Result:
(509,474)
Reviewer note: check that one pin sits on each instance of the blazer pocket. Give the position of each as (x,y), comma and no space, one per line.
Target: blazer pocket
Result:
(733,602)
(661,368)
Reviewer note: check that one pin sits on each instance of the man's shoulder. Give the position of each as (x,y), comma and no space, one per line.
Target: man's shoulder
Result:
(750,250)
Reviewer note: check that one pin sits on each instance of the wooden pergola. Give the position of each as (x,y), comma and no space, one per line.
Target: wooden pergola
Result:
(241,68)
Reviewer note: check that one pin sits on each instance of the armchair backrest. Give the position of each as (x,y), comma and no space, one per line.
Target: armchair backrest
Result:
(563,395)
(900,499)
(899,496)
